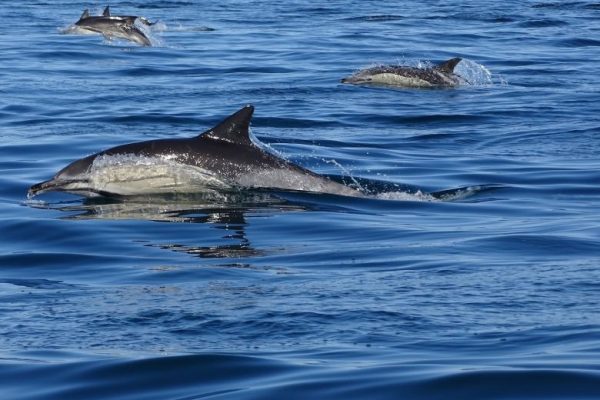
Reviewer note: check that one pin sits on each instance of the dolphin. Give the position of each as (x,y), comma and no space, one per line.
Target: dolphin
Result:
(441,75)
(111,26)
(223,158)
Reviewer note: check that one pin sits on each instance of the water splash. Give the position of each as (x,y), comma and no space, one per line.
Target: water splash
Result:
(159,26)
(347,173)
(406,196)
(195,28)
(473,73)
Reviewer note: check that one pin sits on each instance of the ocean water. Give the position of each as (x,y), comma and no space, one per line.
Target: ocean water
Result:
(491,292)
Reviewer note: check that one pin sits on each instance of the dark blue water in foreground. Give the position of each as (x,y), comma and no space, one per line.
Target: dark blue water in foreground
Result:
(493,294)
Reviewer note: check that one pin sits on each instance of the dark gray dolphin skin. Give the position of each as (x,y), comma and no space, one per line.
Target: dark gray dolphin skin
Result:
(111,26)
(222,158)
(106,13)
(441,75)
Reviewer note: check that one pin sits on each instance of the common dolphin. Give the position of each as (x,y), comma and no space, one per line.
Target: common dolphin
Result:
(222,158)
(441,75)
(112,26)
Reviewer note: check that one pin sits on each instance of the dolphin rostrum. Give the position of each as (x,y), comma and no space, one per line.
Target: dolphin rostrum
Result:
(112,26)
(441,75)
(222,158)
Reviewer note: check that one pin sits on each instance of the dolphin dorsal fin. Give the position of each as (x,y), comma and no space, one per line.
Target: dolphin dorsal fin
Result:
(233,129)
(448,66)
(106,12)
(85,14)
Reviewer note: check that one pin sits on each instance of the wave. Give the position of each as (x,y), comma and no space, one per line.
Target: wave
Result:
(376,18)
(333,375)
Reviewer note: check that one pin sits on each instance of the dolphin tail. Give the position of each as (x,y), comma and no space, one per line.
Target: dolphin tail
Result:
(448,66)
(134,33)
(141,37)
(85,14)
(106,12)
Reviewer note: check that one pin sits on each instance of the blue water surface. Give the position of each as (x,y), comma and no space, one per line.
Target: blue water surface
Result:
(492,292)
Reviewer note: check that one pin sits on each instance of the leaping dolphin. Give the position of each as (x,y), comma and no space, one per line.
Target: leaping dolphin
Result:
(111,26)
(222,158)
(441,75)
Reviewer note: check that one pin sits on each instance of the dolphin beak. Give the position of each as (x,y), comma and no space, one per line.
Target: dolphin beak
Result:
(351,79)
(52,185)
(42,187)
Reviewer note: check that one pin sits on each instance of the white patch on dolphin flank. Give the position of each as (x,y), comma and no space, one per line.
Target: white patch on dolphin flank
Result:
(395,79)
(127,174)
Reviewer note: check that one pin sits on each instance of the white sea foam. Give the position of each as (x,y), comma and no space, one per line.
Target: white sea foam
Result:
(405,196)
